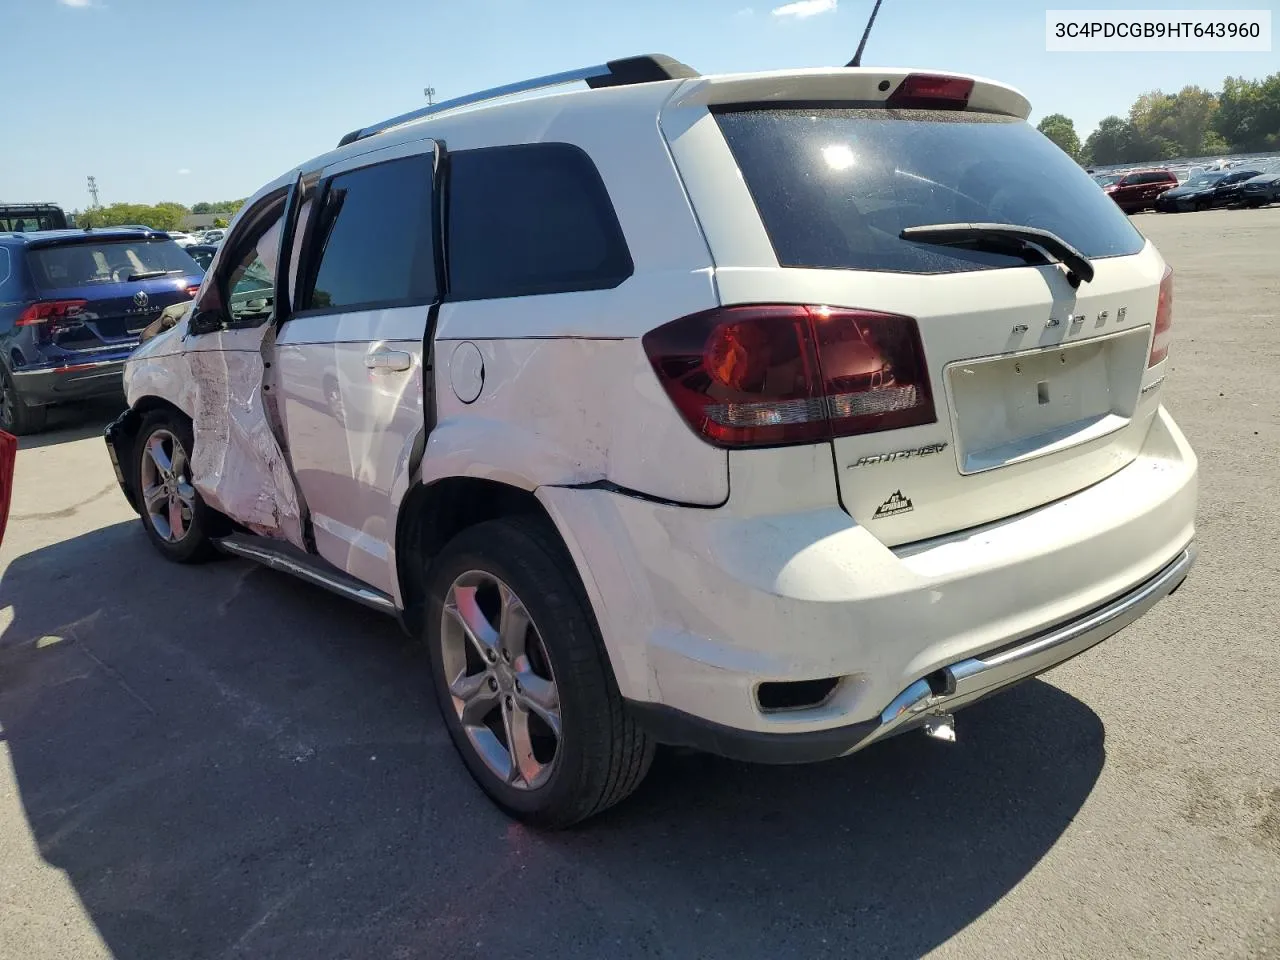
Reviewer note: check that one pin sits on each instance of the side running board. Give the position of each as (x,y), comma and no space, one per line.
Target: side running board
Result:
(285,557)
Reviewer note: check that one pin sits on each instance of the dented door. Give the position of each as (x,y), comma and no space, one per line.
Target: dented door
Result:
(238,464)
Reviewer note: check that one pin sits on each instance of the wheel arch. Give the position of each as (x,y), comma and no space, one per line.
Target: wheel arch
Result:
(122,437)
(432,514)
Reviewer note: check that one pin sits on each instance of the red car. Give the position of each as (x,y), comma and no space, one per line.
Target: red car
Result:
(8,453)
(1139,189)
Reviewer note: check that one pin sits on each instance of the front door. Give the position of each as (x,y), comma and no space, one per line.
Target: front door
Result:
(349,357)
(237,464)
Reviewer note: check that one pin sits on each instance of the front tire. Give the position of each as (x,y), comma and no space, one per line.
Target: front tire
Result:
(522,679)
(178,522)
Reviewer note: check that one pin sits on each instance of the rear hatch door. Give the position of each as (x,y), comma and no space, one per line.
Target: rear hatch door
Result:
(124,283)
(1040,388)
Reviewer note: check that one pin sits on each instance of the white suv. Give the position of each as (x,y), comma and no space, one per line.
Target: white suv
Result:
(769,414)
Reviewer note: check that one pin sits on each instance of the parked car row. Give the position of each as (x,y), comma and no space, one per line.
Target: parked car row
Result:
(1160,190)
(212,236)
(72,306)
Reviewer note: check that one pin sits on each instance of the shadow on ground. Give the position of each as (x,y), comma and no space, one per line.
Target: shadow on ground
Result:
(227,763)
(74,421)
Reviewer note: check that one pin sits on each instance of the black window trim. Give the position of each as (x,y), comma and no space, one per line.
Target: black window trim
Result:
(309,259)
(596,184)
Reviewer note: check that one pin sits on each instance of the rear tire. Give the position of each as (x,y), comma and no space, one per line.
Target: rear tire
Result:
(177,520)
(16,416)
(529,657)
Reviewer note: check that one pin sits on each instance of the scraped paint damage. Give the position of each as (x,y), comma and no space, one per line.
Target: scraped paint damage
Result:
(238,466)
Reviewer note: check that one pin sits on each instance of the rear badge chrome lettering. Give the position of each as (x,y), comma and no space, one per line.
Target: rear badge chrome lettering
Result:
(895,505)
(1152,385)
(925,451)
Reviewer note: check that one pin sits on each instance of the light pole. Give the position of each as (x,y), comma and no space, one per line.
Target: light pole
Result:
(430,94)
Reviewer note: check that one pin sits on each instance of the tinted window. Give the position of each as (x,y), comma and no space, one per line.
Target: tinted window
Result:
(83,264)
(531,219)
(6,274)
(835,187)
(374,245)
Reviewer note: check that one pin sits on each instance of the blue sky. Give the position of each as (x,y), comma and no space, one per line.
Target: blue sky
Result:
(188,101)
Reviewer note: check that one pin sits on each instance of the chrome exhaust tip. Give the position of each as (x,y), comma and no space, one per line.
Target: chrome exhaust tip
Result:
(941,726)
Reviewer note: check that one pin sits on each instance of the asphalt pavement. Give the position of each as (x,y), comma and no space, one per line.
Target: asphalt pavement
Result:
(219,761)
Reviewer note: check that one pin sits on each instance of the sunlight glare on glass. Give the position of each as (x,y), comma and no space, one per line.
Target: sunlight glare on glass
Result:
(838,156)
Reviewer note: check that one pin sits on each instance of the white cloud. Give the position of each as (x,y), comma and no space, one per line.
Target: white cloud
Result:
(744,13)
(76,3)
(183,172)
(804,8)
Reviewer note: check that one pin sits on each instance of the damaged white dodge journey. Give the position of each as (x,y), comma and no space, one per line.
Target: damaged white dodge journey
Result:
(768,414)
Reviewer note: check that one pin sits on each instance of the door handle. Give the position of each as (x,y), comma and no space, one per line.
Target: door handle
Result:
(388,360)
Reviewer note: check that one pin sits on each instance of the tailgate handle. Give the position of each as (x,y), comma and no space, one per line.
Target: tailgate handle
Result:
(388,360)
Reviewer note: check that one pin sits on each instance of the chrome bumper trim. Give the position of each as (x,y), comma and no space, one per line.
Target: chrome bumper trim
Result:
(971,679)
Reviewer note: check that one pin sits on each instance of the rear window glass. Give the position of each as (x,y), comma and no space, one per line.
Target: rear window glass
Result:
(835,187)
(117,261)
(530,219)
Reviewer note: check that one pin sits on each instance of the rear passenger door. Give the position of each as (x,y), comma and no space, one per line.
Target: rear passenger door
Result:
(349,356)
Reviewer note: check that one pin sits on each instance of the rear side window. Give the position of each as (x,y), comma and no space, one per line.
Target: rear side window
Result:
(374,245)
(835,187)
(119,261)
(531,219)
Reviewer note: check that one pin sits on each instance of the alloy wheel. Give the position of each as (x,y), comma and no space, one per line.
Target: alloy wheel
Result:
(168,495)
(500,680)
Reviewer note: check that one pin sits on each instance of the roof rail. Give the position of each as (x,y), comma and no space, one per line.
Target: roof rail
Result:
(616,73)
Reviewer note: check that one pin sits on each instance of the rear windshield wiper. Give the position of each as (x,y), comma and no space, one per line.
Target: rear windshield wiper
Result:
(151,274)
(993,235)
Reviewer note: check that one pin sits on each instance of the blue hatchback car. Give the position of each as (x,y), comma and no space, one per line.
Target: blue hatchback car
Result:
(72,303)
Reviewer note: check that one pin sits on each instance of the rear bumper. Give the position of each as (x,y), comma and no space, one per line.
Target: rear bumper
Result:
(949,688)
(699,607)
(43,385)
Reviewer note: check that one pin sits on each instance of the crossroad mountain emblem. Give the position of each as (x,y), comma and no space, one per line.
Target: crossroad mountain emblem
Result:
(895,505)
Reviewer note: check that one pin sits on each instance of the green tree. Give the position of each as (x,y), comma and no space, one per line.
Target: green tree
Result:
(1248,115)
(1170,125)
(221,222)
(1059,128)
(162,216)
(1111,142)
(201,207)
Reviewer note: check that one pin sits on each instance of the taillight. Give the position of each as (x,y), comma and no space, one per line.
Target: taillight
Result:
(192,290)
(1164,320)
(922,91)
(49,310)
(776,374)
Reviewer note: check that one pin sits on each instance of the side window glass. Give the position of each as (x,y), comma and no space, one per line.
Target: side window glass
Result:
(6,274)
(373,245)
(531,219)
(251,283)
(243,292)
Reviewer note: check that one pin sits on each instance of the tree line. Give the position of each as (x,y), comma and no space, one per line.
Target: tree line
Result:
(1244,117)
(160,216)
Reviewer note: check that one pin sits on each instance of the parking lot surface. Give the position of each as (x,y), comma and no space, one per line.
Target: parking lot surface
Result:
(219,761)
